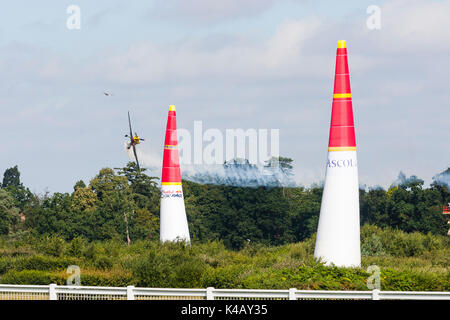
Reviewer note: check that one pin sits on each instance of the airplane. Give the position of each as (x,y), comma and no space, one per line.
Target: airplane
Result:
(134,140)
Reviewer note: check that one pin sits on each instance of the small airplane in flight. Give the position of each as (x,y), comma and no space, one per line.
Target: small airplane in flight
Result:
(134,140)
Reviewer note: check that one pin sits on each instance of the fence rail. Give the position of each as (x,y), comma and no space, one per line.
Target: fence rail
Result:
(55,292)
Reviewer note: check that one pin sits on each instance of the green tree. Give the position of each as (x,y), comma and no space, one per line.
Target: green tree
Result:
(11,177)
(237,215)
(407,206)
(116,207)
(373,206)
(79,184)
(145,191)
(304,208)
(11,183)
(51,215)
(284,163)
(84,200)
(9,214)
(146,197)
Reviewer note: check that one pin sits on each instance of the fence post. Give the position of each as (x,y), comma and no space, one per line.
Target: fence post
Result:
(130,293)
(375,294)
(52,292)
(292,294)
(210,293)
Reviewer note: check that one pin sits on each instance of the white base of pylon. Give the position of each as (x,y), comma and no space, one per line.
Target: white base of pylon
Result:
(173,220)
(338,234)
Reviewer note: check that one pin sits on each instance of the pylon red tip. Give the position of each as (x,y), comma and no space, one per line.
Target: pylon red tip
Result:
(342,129)
(171,166)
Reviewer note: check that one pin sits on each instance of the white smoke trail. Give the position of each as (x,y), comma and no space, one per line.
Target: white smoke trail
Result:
(128,151)
(235,174)
(239,175)
(443,178)
(147,158)
(403,180)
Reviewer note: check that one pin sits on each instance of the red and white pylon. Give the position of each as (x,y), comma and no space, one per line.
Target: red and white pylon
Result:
(173,220)
(338,233)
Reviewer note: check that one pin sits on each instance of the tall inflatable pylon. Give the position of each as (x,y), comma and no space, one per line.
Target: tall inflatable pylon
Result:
(173,220)
(338,234)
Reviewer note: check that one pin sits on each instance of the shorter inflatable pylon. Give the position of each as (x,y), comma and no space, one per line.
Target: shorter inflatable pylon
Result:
(173,220)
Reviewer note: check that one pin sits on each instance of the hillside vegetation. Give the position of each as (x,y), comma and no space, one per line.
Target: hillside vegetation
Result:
(261,237)
(407,262)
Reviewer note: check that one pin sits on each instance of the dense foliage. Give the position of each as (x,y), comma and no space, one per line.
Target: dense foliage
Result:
(261,237)
(411,261)
(123,204)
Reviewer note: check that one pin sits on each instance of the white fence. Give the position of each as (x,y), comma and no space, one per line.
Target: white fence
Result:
(54,292)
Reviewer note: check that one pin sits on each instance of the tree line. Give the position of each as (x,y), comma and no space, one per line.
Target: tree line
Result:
(123,204)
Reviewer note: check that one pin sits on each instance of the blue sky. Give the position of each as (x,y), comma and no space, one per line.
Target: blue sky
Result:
(232,64)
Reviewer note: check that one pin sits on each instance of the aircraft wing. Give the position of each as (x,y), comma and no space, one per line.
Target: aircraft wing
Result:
(135,155)
(131,142)
(129,122)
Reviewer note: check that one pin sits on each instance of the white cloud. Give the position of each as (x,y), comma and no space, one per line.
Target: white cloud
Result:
(291,36)
(279,56)
(201,11)
(411,27)
(420,24)
(408,27)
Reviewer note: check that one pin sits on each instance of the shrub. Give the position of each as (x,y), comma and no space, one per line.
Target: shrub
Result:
(400,244)
(88,278)
(90,252)
(225,277)
(113,247)
(103,262)
(320,277)
(39,262)
(32,277)
(76,247)
(114,278)
(168,265)
(298,251)
(408,261)
(368,230)
(6,264)
(372,246)
(52,245)
(414,281)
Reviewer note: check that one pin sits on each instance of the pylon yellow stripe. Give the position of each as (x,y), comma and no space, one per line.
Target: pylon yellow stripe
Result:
(171,183)
(342,95)
(172,108)
(342,44)
(341,148)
